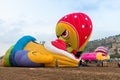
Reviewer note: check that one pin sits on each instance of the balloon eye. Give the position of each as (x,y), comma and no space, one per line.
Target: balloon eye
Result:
(58,36)
(65,34)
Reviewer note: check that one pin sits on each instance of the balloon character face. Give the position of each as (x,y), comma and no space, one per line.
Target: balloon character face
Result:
(67,33)
(102,53)
(75,29)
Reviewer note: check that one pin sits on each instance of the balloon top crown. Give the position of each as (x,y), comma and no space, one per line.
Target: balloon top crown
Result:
(102,49)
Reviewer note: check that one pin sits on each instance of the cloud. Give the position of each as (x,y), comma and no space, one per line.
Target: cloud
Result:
(105,19)
(38,18)
(10,36)
(1,21)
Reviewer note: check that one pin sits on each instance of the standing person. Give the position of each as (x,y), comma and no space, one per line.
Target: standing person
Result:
(80,63)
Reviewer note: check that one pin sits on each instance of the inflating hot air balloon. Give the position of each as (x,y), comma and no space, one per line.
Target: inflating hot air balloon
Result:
(100,54)
(73,32)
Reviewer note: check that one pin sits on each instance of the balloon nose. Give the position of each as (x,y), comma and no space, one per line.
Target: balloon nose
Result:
(60,44)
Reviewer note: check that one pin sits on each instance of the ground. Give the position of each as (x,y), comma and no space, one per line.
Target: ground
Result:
(112,72)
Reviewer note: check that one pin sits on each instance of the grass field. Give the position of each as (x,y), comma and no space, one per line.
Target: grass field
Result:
(112,72)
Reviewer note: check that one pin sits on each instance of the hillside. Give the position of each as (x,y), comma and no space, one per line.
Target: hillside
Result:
(112,43)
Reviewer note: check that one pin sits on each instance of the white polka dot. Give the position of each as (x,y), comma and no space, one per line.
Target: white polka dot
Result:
(90,26)
(75,16)
(65,17)
(86,18)
(85,37)
(83,26)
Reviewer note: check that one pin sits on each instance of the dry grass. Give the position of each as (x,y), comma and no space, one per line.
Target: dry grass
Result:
(112,72)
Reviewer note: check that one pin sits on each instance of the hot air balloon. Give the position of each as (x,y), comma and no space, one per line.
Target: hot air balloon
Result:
(73,32)
(100,54)
(75,29)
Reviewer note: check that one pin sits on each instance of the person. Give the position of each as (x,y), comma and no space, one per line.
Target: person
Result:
(119,64)
(80,63)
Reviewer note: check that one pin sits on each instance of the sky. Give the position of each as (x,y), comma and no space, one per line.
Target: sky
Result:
(38,18)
